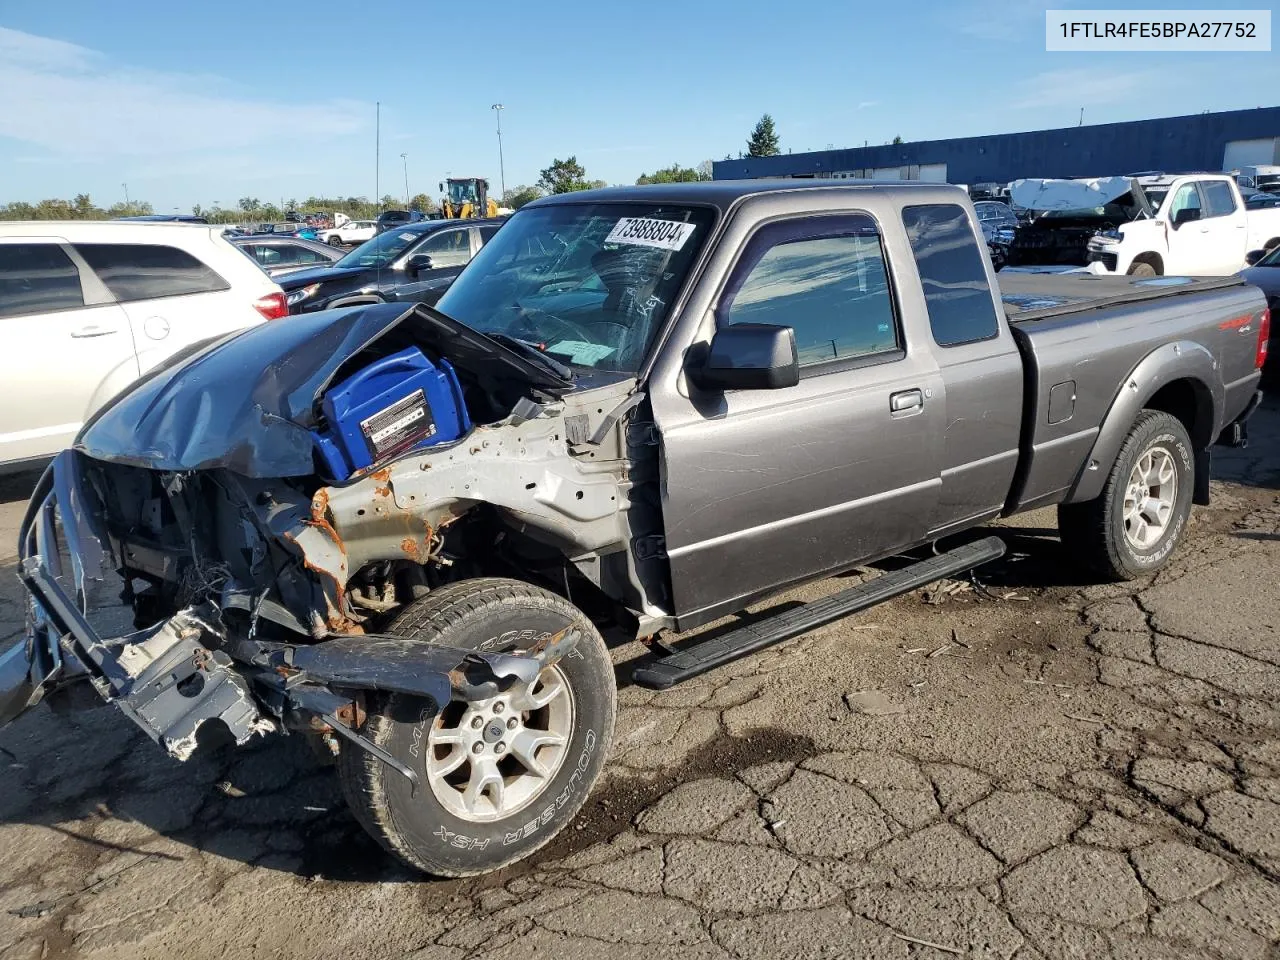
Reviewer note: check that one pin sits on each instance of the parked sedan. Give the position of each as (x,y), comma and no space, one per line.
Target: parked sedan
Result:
(414,262)
(282,255)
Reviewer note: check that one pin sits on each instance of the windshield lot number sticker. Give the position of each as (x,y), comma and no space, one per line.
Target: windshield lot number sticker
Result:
(643,232)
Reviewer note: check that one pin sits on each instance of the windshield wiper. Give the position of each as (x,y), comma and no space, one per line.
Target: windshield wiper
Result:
(531,350)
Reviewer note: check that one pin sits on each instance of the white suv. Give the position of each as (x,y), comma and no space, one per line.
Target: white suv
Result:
(353,231)
(87,307)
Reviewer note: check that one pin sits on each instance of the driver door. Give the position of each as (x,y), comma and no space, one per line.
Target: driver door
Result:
(762,488)
(1190,242)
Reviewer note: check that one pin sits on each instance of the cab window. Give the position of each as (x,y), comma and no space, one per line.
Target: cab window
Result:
(824,278)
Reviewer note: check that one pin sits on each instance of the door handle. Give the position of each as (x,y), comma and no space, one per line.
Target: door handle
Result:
(904,401)
(92,330)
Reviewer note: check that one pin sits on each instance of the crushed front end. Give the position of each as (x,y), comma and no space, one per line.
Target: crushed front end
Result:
(215,571)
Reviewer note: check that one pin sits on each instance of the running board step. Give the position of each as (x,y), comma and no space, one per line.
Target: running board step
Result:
(698,658)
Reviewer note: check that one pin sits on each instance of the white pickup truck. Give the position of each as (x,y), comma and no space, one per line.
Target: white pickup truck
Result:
(1191,224)
(1199,226)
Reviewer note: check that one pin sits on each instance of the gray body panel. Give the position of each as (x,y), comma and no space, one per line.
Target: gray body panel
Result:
(764,489)
(1109,361)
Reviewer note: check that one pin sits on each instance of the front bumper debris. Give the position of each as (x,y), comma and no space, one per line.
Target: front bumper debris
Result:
(179,674)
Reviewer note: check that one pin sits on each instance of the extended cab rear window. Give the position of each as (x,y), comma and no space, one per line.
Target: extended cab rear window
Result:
(144,271)
(953,272)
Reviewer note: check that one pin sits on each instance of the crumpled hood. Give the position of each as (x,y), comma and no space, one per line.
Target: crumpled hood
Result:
(1073,194)
(247,402)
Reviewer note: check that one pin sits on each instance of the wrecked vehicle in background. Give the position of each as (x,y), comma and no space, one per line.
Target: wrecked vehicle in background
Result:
(1144,226)
(401,530)
(1064,215)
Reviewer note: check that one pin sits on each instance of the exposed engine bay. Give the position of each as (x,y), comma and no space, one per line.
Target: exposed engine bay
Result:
(265,518)
(1064,215)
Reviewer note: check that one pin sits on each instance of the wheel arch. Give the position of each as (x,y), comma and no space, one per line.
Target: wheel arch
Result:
(1149,257)
(1177,378)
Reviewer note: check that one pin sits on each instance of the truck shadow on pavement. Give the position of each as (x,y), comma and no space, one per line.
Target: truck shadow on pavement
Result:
(95,779)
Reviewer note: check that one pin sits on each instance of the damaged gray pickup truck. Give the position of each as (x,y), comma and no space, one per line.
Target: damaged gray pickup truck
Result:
(401,531)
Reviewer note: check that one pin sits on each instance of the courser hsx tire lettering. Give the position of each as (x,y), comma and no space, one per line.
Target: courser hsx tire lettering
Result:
(1131,529)
(495,615)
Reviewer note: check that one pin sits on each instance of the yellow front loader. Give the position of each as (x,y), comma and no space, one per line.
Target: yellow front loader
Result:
(466,197)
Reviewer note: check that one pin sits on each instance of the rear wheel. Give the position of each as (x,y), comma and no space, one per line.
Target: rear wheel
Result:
(1133,526)
(502,776)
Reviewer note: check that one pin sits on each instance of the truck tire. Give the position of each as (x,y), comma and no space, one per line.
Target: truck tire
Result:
(1143,269)
(472,816)
(1131,529)
(335,241)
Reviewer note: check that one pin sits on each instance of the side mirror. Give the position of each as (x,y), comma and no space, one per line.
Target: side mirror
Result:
(1253,256)
(1186,215)
(419,263)
(750,356)
(440,186)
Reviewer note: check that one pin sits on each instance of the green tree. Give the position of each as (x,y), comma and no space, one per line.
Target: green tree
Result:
(764,139)
(132,209)
(388,202)
(18,210)
(564,176)
(249,204)
(423,204)
(896,141)
(674,174)
(517,197)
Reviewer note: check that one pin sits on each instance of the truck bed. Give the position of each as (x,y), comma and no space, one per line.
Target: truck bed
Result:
(1037,296)
(1081,334)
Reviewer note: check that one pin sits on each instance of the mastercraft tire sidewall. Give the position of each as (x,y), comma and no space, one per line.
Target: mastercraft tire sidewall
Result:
(462,846)
(1184,460)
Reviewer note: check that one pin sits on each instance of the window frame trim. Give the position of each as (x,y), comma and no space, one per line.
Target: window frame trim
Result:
(821,230)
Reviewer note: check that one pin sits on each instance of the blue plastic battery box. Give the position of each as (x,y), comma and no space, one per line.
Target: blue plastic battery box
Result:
(399,403)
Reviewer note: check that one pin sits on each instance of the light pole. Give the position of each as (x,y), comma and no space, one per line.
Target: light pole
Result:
(497,109)
(405,158)
(126,193)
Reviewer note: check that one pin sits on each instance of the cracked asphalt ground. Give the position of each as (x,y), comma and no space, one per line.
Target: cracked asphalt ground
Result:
(1077,771)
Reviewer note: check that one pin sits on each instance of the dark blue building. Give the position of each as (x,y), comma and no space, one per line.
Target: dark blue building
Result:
(1200,142)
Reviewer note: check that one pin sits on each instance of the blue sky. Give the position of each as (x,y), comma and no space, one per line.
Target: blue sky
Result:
(195,102)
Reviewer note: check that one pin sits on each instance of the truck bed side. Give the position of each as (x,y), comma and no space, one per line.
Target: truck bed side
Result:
(1184,346)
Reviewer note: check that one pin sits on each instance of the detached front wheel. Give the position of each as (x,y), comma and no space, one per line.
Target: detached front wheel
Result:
(499,777)
(1133,526)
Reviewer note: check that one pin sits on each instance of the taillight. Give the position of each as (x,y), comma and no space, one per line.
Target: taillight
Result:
(272,306)
(1264,335)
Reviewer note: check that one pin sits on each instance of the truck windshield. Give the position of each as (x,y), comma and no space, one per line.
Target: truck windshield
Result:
(587,283)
